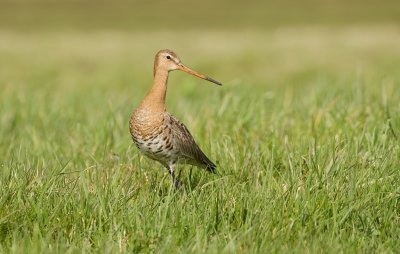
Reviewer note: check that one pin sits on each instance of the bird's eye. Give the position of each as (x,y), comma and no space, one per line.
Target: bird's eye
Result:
(168,57)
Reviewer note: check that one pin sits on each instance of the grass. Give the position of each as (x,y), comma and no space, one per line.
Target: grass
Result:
(305,133)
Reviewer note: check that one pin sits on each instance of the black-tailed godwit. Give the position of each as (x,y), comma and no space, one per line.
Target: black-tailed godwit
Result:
(158,134)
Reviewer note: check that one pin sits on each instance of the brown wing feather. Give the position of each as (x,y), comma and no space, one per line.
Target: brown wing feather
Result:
(188,147)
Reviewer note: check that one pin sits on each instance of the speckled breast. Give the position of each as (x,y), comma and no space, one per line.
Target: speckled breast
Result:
(153,137)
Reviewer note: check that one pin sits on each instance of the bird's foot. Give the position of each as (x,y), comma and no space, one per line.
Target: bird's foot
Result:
(177,184)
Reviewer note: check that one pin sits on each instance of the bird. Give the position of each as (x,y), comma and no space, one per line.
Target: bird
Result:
(158,134)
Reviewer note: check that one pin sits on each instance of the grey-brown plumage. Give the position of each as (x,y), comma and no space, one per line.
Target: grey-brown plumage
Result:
(159,135)
(188,149)
(169,142)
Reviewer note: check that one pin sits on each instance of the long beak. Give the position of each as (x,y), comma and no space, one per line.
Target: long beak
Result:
(182,67)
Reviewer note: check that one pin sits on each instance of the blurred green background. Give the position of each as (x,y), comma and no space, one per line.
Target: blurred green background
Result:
(266,41)
(304,130)
(184,15)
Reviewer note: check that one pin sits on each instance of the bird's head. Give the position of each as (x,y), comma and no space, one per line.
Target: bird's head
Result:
(167,60)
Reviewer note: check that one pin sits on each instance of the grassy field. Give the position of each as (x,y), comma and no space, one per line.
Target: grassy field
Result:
(305,133)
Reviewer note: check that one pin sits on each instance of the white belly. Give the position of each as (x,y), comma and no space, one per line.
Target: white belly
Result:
(158,149)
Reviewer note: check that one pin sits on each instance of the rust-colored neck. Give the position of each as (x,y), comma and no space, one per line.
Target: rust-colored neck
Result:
(155,98)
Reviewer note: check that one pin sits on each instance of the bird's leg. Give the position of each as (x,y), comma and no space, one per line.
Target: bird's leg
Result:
(175,181)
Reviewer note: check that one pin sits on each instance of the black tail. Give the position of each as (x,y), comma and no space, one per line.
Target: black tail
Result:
(209,165)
